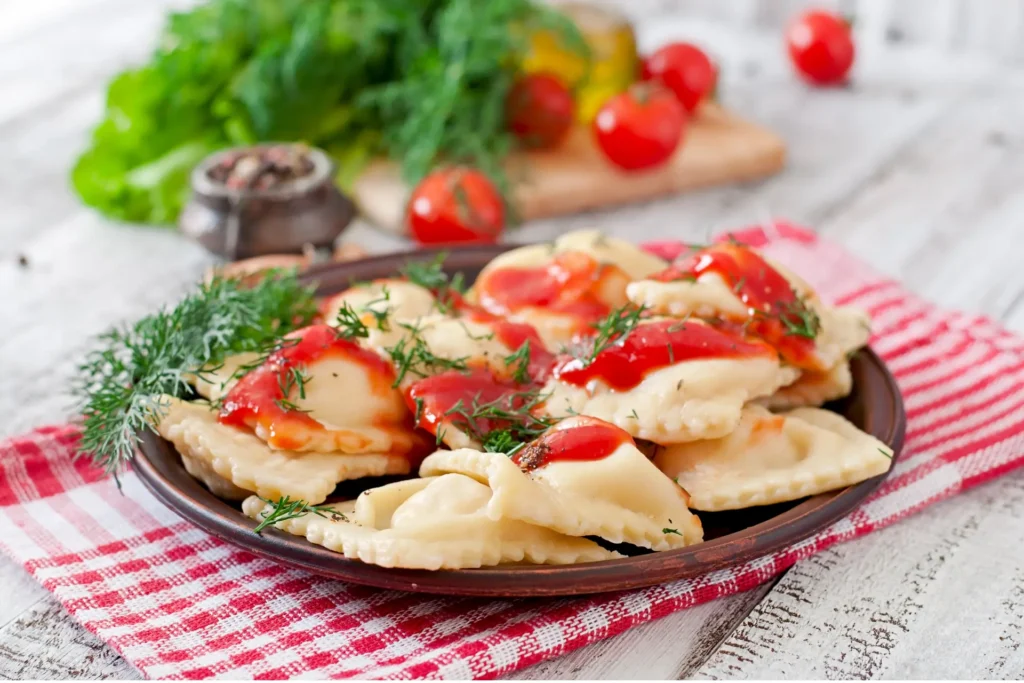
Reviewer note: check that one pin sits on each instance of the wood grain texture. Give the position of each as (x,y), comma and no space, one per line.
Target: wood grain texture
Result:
(720,148)
(914,167)
(671,648)
(45,643)
(940,595)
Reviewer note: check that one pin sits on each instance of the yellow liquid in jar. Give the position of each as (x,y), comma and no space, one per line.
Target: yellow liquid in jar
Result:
(613,62)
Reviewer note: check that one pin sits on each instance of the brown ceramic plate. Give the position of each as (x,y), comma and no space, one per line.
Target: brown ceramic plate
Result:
(732,537)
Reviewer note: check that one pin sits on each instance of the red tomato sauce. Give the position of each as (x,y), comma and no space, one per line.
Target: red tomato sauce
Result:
(623,365)
(570,284)
(766,293)
(452,396)
(258,399)
(592,439)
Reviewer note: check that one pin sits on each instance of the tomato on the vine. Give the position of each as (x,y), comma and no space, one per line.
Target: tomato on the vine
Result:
(685,70)
(640,128)
(539,110)
(821,47)
(456,205)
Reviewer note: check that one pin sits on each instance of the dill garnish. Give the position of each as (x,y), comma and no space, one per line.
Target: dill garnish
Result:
(521,362)
(412,355)
(285,509)
(430,275)
(799,319)
(349,324)
(616,326)
(119,384)
(514,412)
(671,531)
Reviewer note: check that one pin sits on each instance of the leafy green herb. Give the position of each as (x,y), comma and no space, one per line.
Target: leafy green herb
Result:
(633,414)
(671,531)
(618,325)
(423,82)
(285,509)
(799,319)
(514,413)
(520,363)
(349,324)
(119,384)
(412,355)
(430,275)
(885,453)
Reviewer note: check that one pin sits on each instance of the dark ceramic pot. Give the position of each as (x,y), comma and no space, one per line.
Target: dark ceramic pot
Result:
(242,223)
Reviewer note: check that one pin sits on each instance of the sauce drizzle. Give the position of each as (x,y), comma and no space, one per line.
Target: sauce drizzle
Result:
(259,398)
(587,439)
(652,346)
(775,311)
(571,284)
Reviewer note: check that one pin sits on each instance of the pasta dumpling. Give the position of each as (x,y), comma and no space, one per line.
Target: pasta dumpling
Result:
(214,382)
(733,283)
(233,462)
(293,400)
(432,523)
(398,300)
(773,458)
(668,381)
(583,477)
(563,287)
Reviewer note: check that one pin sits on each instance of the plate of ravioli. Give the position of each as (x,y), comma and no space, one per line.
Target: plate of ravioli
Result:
(551,419)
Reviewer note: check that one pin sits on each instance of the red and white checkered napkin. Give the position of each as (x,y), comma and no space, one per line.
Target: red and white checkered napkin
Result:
(180,604)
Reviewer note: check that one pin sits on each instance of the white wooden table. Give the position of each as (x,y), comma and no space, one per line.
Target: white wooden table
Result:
(918,167)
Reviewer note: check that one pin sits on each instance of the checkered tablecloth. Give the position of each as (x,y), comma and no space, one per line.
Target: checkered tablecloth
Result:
(178,603)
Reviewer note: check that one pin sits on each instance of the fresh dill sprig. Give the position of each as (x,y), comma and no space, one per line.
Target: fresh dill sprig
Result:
(412,355)
(799,319)
(514,411)
(430,275)
(119,384)
(285,509)
(288,380)
(520,363)
(349,324)
(616,326)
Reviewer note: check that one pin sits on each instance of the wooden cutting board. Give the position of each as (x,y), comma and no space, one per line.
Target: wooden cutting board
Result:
(719,147)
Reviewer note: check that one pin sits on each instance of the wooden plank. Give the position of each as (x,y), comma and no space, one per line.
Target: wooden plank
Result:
(940,595)
(944,216)
(670,648)
(719,148)
(880,607)
(45,643)
(20,591)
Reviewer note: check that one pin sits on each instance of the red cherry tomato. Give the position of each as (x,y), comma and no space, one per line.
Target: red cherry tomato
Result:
(641,127)
(685,70)
(456,205)
(539,110)
(821,47)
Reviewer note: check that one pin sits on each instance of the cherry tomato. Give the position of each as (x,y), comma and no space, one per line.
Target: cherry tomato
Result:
(539,110)
(641,127)
(685,70)
(821,47)
(456,205)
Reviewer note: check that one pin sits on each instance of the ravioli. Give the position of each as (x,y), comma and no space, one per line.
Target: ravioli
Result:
(773,459)
(326,394)
(214,382)
(432,523)
(233,462)
(735,283)
(668,382)
(395,299)
(562,288)
(583,477)
(438,343)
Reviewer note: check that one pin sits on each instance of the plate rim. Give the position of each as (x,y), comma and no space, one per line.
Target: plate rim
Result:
(224,521)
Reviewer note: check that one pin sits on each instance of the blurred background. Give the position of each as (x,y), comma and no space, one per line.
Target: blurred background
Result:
(910,158)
